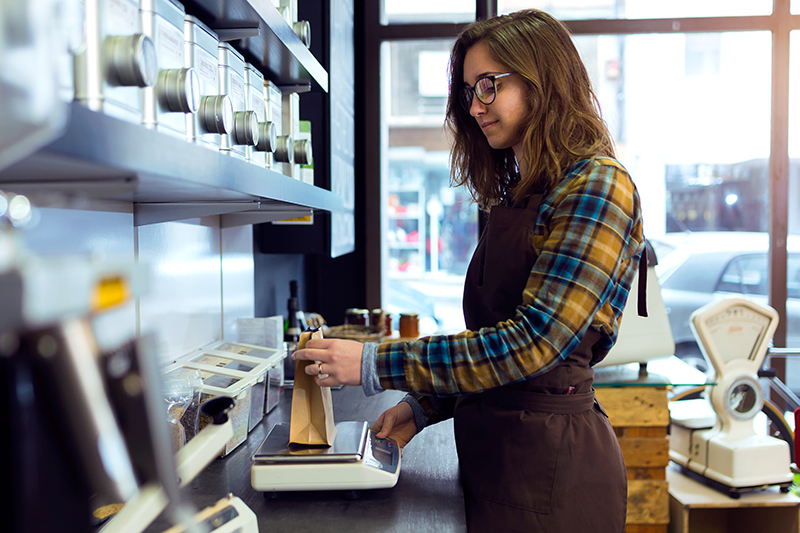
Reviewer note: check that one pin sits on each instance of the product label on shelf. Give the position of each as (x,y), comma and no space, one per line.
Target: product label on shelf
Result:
(122,17)
(257,104)
(221,362)
(237,92)
(207,71)
(244,350)
(170,47)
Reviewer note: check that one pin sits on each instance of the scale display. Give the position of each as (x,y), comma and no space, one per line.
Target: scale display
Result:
(737,332)
(734,330)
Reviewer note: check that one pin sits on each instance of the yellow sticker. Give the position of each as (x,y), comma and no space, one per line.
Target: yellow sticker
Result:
(109,292)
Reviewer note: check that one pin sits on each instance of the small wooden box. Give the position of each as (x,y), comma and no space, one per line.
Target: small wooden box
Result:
(640,418)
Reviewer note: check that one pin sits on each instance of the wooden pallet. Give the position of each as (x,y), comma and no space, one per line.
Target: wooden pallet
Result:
(640,418)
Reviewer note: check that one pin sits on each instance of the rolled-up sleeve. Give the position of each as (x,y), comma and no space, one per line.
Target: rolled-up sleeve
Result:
(589,240)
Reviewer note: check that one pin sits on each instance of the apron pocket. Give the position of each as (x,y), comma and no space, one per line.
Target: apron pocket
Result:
(508,456)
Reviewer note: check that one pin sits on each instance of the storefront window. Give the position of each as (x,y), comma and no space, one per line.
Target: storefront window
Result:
(425,11)
(793,242)
(794,106)
(690,114)
(690,117)
(640,9)
(431,228)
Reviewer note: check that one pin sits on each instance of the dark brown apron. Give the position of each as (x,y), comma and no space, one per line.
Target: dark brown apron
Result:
(539,455)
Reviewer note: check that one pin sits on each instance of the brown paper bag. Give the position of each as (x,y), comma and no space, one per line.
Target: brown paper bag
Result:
(312,406)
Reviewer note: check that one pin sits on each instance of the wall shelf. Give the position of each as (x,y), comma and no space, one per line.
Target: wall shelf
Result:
(277,51)
(103,159)
(408,204)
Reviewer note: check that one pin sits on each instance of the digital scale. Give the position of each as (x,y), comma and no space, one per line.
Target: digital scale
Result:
(357,460)
(717,443)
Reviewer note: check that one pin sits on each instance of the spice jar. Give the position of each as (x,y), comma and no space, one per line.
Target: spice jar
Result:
(356,317)
(376,320)
(409,325)
(387,325)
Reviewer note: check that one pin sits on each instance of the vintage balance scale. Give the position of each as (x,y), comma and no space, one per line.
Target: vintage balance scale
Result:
(717,443)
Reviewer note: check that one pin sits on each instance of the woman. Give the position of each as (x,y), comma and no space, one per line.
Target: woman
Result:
(543,295)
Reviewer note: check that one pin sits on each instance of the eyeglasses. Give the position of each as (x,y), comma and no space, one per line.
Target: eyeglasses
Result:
(485,89)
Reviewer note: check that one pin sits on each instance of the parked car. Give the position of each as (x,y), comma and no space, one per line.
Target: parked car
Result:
(695,268)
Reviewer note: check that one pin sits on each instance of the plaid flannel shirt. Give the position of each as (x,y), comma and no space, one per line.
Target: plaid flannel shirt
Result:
(589,239)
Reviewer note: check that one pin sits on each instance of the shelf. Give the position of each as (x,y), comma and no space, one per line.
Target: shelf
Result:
(104,159)
(276,50)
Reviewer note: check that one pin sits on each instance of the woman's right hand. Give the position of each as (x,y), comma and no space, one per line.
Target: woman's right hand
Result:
(396,423)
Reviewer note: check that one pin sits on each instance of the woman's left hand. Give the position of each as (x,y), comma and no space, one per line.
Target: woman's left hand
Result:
(340,359)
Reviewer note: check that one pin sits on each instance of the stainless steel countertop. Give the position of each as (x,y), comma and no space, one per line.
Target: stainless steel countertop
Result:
(427,497)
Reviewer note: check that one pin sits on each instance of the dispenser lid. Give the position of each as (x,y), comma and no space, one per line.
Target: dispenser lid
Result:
(228,368)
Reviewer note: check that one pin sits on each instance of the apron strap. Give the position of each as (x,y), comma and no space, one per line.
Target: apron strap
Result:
(643,260)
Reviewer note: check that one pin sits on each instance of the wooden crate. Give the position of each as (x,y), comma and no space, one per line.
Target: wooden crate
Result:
(640,418)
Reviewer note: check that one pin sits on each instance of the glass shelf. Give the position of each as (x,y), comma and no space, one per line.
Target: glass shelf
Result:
(669,371)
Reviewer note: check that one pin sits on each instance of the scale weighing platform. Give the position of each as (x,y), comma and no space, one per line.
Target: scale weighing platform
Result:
(357,460)
(714,439)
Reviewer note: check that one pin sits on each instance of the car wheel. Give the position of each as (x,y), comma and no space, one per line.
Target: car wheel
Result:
(690,354)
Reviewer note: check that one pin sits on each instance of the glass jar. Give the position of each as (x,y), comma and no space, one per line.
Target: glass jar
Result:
(409,325)
(356,317)
(376,320)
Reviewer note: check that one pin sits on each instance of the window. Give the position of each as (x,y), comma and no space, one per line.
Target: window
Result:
(640,9)
(431,229)
(686,88)
(698,165)
(425,11)
(793,277)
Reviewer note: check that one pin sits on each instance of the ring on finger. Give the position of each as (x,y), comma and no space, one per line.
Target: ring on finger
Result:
(319,369)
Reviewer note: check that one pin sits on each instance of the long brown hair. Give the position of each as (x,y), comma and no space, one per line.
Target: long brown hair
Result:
(563,125)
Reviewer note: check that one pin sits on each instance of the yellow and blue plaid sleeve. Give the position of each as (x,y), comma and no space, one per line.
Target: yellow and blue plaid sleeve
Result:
(589,240)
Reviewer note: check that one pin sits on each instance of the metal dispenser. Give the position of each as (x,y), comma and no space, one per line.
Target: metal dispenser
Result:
(118,62)
(33,111)
(245,123)
(215,115)
(300,147)
(284,143)
(177,91)
(267,134)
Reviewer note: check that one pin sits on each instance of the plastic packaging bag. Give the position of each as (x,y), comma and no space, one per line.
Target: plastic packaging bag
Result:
(182,396)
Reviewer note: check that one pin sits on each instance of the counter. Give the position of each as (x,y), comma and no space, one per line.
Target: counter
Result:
(427,497)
